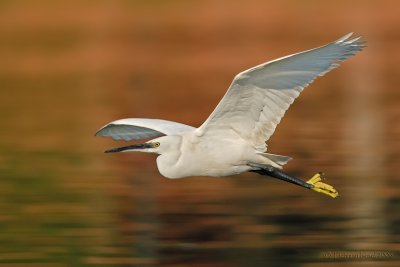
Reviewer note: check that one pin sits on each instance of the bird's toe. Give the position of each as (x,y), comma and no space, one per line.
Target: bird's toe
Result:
(321,187)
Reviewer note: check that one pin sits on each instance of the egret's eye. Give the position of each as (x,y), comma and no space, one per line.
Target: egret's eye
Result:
(156,144)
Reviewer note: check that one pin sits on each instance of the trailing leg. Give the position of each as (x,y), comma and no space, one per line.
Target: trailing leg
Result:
(314,183)
(276,173)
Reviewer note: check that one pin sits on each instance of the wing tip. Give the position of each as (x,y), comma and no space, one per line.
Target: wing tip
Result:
(354,42)
(352,46)
(345,37)
(100,132)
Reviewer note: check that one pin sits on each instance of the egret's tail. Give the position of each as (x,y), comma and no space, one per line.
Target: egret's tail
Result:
(278,159)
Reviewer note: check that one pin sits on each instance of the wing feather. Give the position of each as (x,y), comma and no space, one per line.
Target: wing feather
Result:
(135,129)
(258,97)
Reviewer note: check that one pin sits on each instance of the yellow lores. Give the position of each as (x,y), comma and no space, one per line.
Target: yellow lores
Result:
(233,138)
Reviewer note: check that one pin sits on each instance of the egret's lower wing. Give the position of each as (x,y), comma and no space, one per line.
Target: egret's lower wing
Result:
(135,129)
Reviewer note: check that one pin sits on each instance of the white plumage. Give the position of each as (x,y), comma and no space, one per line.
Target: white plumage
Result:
(232,139)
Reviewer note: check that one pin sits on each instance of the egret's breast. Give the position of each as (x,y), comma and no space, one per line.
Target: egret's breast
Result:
(205,158)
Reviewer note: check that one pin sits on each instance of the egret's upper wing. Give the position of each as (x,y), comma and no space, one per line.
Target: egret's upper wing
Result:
(258,97)
(134,129)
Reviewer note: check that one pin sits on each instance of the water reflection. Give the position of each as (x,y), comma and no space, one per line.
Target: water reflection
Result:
(69,68)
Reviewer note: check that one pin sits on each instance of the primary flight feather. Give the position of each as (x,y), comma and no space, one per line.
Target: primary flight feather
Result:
(232,139)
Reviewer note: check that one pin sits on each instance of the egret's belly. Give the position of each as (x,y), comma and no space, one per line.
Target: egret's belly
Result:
(202,170)
(206,161)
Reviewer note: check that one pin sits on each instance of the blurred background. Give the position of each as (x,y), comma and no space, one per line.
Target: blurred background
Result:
(69,67)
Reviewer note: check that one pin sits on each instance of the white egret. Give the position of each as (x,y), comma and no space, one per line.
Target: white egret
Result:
(233,138)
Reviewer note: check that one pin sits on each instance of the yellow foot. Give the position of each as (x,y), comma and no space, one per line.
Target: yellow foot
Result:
(321,187)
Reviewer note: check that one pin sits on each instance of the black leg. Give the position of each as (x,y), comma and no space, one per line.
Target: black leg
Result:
(276,173)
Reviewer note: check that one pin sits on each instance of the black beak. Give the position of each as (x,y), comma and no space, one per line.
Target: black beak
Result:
(131,147)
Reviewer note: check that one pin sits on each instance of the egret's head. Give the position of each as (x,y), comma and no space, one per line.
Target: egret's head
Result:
(157,145)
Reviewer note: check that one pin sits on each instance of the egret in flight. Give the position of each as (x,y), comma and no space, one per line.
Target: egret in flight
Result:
(233,138)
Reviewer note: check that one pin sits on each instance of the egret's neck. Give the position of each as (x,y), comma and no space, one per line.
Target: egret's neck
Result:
(170,153)
(167,163)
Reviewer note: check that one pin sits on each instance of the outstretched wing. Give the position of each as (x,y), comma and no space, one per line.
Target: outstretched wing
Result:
(259,97)
(135,129)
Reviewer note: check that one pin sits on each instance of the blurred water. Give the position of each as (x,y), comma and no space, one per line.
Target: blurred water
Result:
(67,69)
